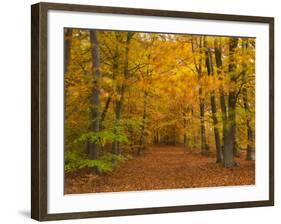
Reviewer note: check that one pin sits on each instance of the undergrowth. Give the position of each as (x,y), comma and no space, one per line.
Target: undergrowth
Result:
(105,164)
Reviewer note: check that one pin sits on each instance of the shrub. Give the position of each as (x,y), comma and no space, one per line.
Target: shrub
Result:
(105,164)
(102,137)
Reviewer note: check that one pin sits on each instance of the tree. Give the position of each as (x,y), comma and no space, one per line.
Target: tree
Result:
(229,138)
(198,65)
(67,54)
(250,132)
(67,48)
(121,89)
(95,98)
(218,58)
(210,71)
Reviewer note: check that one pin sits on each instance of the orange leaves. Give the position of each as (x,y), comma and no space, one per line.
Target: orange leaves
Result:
(169,69)
(163,167)
(209,83)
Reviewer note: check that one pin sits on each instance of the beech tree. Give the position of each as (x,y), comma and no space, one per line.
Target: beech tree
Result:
(95,98)
(210,70)
(245,74)
(198,43)
(129,90)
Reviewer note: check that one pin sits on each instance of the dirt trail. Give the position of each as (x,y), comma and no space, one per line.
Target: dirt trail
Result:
(164,167)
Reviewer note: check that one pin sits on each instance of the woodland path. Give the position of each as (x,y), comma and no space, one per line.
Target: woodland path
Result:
(163,167)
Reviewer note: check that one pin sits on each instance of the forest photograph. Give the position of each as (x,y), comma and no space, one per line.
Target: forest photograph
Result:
(156,111)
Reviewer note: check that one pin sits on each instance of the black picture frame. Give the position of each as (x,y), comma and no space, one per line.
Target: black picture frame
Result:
(39,106)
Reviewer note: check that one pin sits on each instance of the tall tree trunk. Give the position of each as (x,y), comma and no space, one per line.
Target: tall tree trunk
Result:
(204,147)
(67,55)
(250,132)
(67,48)
(115,69)
(103,114)
(210,70)
(115,144)
(121,91)
(95,98)
(218,57)
(198,66)
(185,139)
(156,135)
(144,115)
(229,141)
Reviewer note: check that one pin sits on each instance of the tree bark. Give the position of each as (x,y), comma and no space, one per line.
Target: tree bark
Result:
(229,139)
(185,138)
(95,98)
(67,56)
(198,66)
(67,48)
(142,135)
(204,147)
(121,91)
(210,70)
(103,114)
(218,58)
(250,132)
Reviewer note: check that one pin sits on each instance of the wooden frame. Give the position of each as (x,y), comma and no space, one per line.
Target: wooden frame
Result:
(39,106)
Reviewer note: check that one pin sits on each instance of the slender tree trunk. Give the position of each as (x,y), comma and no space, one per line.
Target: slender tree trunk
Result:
(103,114)
(115,144)
(210,70)
(115,73)
(250,132)
(67,55)
(185,139)
(95,98)
(115,69)
(204,147)
(218,57)
(67,48)
(121,91)
(216,131)
(157,136)
(198,66)
(229,144)
(142,135)
(236,149)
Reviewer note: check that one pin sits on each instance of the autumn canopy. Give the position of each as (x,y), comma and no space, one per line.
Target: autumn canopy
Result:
(129,94)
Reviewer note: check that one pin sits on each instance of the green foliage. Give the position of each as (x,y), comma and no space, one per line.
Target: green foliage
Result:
(109,157)
(71,157)
(101,165)
(132,124)
(75,161)
(104,136)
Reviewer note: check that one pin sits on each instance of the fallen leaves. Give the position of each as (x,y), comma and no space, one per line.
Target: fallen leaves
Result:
(163,167)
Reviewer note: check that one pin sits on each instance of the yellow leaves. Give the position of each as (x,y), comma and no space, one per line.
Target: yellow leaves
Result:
(118,97)
(166,67)
(209,83)
(107,81)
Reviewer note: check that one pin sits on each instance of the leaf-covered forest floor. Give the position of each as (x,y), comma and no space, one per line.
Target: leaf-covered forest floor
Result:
(163,167)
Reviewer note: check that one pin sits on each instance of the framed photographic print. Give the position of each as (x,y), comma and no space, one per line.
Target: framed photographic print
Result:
(139,111)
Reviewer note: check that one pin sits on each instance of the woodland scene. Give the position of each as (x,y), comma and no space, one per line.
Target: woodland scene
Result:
(151,111)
